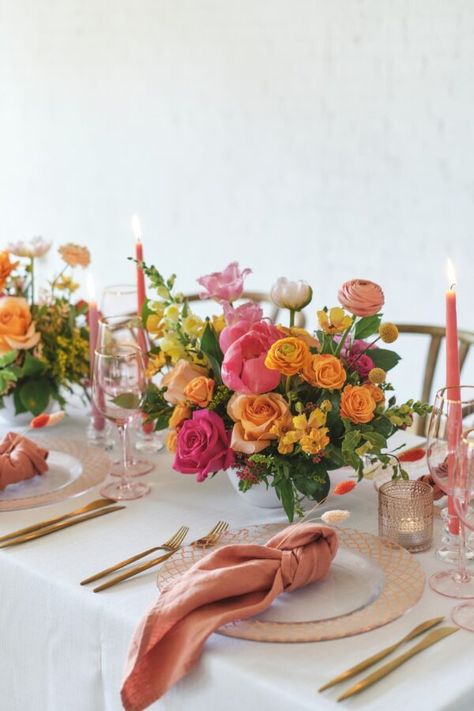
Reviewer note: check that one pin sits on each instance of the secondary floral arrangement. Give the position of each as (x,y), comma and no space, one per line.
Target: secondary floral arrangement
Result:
(44,339)
(281,404)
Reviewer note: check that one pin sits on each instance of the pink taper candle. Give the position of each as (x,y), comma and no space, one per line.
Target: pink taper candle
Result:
(141,293)
(453,381)
(93,318)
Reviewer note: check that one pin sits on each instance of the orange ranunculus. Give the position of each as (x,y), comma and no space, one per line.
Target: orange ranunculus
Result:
(177,378)
(288,355)
(17,329)
(300,333)
(325,371)
(376,392)
(6,267)
(357,404)
(257,419)
(172,441)
(180,413)
(199,391)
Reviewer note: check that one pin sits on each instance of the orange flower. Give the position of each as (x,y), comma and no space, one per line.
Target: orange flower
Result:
(325,371)
(357,404)
(288,355)
(6,267)
(300,333)
(74,255)
(258,419)
(17,329)
(180,413)
(172,441)
(344,487)
(199,391)
(177,378)
(376,392)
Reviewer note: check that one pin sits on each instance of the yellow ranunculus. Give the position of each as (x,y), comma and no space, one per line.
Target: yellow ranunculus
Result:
(334,321)
(288,355)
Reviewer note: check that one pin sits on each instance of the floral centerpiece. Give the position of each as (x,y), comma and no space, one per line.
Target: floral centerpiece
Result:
(281,404)
(44,338)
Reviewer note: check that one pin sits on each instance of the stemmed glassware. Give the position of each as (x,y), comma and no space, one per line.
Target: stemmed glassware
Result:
(452,416)
(118,387)
(463,615)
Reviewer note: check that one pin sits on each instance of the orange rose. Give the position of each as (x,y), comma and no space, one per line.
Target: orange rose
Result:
(288,355)
(357,404)
(257,419)
(376,392)
(17,330)
(180,413)
(325,371)
(177,378)
(6,267)
(172,441)
(199,391)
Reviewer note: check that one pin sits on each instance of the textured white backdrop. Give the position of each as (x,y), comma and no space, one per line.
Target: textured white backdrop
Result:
(321,140)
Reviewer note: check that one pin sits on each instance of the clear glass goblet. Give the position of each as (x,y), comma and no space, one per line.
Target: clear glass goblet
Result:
(463,615)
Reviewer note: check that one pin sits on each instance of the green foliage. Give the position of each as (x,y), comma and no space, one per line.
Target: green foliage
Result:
(127,401)
(367,326)
(212,350)
(384,359)
(34,396)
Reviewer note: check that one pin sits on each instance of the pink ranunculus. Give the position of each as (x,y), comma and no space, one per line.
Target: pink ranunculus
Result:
(249,311)
(361,297)
(203,445)
(243,368)
(227,285)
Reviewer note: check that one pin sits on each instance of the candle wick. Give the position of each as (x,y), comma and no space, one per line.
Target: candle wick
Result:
(453,287)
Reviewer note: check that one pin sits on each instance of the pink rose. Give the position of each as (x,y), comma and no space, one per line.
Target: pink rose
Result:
(361,297)
(249,311)
(224,286)
(203,445)
(177,378)
(243,368)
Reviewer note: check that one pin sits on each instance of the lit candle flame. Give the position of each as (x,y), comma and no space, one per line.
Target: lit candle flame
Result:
(136,228)
(91,287)
(451,274)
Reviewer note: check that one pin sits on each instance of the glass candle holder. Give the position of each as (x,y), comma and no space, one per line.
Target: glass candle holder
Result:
(406,514)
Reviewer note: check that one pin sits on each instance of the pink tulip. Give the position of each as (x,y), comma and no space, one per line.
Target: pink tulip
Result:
(249,311)
(243,368)
(227,285)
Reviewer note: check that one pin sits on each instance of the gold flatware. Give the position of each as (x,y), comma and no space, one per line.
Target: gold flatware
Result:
(59,527)
(381,672)
(92,506)
(171,544)
(366,663)
(209,539)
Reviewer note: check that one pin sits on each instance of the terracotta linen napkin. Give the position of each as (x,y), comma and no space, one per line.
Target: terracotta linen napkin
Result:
(20,459)
(231,583)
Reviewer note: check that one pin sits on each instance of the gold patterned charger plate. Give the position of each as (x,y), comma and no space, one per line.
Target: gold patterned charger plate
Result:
(73,468)
(372,581)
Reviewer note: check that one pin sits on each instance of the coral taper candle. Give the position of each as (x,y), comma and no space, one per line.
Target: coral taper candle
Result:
(141,293)
(93,319)
(452,382)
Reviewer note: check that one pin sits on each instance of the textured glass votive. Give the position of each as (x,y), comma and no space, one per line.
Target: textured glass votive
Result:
(406,514)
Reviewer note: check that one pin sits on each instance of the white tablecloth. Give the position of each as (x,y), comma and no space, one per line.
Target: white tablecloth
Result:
(63,647)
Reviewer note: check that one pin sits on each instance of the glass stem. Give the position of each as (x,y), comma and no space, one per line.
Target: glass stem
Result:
(463,575)
(125,446)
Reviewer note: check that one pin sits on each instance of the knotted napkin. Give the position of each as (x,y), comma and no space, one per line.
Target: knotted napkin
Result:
(20,459)
(231,583)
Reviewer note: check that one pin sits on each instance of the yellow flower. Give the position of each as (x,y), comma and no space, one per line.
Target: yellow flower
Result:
(308,431)
(287,442)
(377,376)
(66,283)
(326,406)
(180,413)
(388,332)
(172,313)
(218,323)
(193,326)
(172,347)
(74,255)
(300,333)
(334,321)
(157,307)
(155,363)
(155,325)
(288,355)
(315,441)
(172,441)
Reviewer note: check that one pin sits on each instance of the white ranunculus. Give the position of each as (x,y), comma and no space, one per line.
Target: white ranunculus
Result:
(294,295)
(36,247)
(335,516)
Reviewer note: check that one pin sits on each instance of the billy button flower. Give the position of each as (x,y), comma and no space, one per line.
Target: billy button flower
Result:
(377,376)
(388,332)
(288,355)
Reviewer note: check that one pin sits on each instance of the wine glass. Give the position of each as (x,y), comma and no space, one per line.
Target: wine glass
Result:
(463,615)
(452,415)
(118,387)
(119,299)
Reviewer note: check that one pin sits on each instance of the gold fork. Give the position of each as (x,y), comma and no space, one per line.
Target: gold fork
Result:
(171,544)
(209,539)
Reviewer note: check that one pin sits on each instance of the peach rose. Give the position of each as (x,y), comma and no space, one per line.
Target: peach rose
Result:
(325,371)
(361,297)
(376,392)
(177,379)
(199,391)
(17,329)
(357,404)
(74,255)
(257,419)
(6,267)
(180,413)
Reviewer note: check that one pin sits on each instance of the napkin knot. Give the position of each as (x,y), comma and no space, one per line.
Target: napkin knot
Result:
(20,459)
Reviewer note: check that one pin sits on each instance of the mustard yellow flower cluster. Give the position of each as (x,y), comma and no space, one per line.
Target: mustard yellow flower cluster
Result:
(307,431)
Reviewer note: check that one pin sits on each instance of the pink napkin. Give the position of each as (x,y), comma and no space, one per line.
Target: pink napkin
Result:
(232,583)
(20,459)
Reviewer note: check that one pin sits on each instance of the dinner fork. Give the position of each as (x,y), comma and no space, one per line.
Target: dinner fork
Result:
(209,539)
(171,544)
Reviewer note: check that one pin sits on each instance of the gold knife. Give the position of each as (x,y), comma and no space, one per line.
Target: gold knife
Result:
(92,506)
(58,527)
(366,663)
(381,672)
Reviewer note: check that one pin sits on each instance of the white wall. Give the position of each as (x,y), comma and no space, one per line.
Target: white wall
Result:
(321,139)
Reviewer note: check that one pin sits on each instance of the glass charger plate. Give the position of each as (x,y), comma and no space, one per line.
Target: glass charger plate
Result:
(73,469)
(371,582)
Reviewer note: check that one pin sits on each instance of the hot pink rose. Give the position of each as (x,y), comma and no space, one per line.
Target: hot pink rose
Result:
(224,286)
(243,368)
(203,445)
(361,297)
(249,311)
(177,378)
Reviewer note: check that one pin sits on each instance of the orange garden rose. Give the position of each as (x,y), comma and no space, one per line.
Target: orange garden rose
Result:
(180,413)
(17,329)
(177,378)
(357,404)
(376,392)
(75,255)
(288,355)
(6,267)
(199,391)
(325,371)
(257,419)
